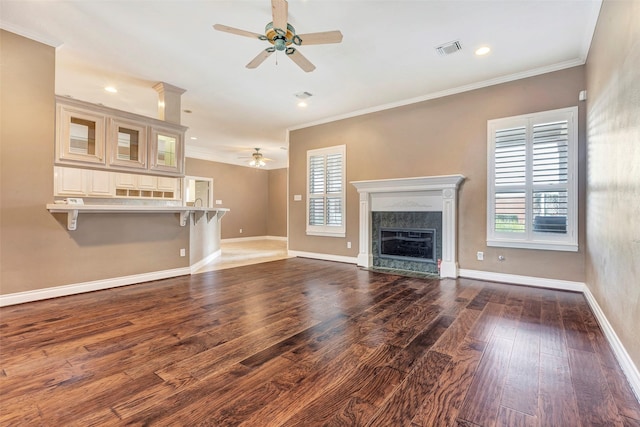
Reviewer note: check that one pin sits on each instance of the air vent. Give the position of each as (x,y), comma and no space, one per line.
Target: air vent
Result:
(303,95)
(449,48)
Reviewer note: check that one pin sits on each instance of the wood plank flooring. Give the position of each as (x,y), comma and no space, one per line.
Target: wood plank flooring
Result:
(301,342)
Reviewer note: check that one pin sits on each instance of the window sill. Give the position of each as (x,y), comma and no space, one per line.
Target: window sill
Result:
(326,233)
(547,246)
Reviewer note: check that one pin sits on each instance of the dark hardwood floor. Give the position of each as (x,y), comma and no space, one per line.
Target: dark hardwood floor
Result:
(302,342)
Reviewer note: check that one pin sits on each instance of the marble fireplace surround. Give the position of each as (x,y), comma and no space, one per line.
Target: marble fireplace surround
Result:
(419,194)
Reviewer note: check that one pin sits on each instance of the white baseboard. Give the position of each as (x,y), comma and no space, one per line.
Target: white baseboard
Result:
(248,239)
(627,365)
(204,261)
(539,282)
(96,285)
(324,257)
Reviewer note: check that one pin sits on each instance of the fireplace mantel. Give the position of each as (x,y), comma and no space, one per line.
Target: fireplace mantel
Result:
(426,193)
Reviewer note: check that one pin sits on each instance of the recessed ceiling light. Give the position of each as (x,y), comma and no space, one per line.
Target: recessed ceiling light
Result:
(302,104)
(194,138)
(111,89)
(483,50)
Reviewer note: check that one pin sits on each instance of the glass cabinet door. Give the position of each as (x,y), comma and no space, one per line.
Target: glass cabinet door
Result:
(127,144)
(80,136)
(167,153)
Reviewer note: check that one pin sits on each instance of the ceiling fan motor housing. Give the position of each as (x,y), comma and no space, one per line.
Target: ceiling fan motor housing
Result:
(281,39)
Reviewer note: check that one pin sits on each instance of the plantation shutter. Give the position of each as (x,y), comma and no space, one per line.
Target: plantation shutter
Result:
(316,190)
(532,183)
(334,189)
(326,189)
(510,179)
(550,176)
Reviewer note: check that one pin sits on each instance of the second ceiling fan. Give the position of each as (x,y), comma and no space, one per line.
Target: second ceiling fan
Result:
(282,36)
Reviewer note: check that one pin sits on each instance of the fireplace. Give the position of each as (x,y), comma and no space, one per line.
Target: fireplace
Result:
(421,203)
(413,244)
(403,233)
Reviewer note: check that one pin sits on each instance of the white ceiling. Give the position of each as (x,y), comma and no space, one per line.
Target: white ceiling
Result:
(387,57)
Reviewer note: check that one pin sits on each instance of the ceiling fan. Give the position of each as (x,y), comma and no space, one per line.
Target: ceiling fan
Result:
(257,159)
(282,36)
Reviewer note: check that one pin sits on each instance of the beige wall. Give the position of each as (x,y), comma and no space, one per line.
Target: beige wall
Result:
(439,137)
(204,237)
(613,190)
(277,223)
(36,249)
(246,192)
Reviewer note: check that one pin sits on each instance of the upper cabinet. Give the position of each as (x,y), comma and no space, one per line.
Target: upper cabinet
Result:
(100,137)
(80,135)
(127,144)
(167,151)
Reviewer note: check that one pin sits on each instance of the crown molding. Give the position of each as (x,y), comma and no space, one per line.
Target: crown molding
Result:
(16,29)
(441,94)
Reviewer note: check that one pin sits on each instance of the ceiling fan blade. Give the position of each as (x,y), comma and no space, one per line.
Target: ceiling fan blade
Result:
(321,38)
(237,31)
(280,12)
(302,62)
(260,58)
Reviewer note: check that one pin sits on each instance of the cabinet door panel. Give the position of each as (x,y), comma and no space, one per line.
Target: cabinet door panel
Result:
(127,144)
(147,182)
(69,182)
(80,136)
(167,184)
(167,151)
(100,183)
(126,180)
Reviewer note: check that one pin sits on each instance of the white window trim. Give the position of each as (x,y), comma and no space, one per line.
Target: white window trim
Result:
(328,230)
(531,239)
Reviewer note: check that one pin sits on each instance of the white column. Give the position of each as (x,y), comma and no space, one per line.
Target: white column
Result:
(449,265)
(365,259)
(169,103)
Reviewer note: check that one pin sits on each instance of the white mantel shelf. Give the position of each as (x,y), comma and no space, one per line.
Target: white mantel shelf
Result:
(424,193)
(73,211)
(420,183)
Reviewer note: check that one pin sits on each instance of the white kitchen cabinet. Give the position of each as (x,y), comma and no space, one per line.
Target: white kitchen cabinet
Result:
(127,144)
(80,135)
(100,137)
(77,182)
(167,151)
(100,183)
(69,182)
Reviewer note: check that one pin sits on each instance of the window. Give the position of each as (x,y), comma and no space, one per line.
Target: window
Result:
(326,188)
(533,182)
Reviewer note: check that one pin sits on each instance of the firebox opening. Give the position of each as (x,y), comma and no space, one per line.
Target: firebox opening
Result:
(408,244)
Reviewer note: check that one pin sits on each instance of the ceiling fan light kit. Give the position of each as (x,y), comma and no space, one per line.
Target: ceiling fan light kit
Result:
(258,159)
(282,35)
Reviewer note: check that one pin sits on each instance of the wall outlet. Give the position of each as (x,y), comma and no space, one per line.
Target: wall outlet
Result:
(241,231)
(297,197)
(480,256)
(183,252)
(218,202)
(348,245)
